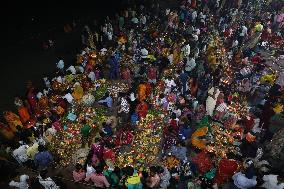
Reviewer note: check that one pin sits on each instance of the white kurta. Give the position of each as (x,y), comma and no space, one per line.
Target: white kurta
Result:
(211,102)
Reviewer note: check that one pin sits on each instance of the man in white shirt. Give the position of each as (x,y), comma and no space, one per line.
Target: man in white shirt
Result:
(171,58)
(197,31)
(235,44)
(109,35)
(242,182)
(186,50)
(190,64)
(168,11)
(20,154)
(68,97)
(243,34)
(124,109)
(60,65)
(92,76)
(169,84)
(46,182)
(244,31)
(23,184)
(194,16)
(211,100)
(72,70)
(143,20)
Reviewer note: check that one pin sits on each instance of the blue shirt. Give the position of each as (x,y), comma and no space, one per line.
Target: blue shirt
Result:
(43,159)
(183,77)
(108,100)
(107,130)
(185,132)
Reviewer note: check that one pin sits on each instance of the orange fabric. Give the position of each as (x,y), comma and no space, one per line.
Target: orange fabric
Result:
(24,114)
(78,92)
(142,92)
(43,102)
(142,110)
(13,120)
(200,144)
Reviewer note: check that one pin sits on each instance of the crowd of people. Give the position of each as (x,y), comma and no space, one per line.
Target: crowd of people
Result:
(160,97)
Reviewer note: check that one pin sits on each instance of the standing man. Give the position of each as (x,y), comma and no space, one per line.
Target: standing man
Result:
(85,132)
(183,78)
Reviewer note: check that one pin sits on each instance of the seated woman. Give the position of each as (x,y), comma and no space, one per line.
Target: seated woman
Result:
(79,174)
(98,178)
(153,181)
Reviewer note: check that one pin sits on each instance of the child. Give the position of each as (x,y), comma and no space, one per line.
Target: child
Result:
(79,174)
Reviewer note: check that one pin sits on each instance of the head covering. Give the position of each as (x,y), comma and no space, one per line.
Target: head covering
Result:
(144,53)
(39,95)
(23,178)
(250,137)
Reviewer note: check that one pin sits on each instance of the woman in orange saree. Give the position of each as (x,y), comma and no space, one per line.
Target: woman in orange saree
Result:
(24,114)
(78,91)
(142,92)
(13,120)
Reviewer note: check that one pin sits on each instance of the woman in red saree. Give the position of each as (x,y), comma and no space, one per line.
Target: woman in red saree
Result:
(126,75)
(226,169)
(142,109)
(108,154)
(193,87)
(31,97)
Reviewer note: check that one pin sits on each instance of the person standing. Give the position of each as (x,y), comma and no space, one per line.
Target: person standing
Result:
(108,101)
(152,75)
(114,67)
(60,66)
(243,181)
(183,78)
(124,108)
(43,158)
(85,132)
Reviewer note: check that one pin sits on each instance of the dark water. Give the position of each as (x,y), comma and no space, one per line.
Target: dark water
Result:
(26,20)
(26,25)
